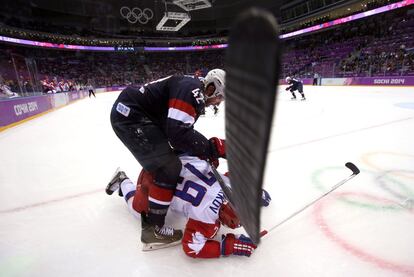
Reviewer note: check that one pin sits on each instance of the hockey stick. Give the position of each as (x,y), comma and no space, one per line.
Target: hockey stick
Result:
(226,189)
(351,166)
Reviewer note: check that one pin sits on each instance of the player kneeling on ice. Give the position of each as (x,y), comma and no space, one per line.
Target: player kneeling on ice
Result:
(156,120)
(201,200)
(295,84)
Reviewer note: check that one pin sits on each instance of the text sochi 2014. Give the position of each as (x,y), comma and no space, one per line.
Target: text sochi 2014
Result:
(389,81)
(25,108)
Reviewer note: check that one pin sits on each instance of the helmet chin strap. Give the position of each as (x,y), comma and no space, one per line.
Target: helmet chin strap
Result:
(209,97)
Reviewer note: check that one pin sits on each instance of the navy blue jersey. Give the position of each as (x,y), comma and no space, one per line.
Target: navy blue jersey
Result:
(294,84)
(175,103)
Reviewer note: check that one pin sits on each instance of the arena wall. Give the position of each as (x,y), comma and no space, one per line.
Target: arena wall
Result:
(15,110)
(361,81)
(369,81)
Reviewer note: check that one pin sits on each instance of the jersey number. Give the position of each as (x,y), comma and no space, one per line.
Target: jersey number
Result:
(198,191)
(198,96)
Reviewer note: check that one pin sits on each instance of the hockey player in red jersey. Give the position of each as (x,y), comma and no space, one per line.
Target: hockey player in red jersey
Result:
(157,118)
(200,198)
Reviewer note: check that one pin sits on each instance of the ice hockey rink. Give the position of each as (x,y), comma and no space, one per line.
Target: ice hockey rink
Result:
(56,220)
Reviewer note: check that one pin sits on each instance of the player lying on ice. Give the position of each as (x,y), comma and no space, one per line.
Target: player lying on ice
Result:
(201,200)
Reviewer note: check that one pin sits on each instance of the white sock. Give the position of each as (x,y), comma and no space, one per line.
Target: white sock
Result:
(127,186)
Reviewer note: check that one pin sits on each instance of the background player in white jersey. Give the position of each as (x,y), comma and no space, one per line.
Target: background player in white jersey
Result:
(201,200)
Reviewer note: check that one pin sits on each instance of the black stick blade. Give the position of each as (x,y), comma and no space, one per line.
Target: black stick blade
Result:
(252,73)
(352,167)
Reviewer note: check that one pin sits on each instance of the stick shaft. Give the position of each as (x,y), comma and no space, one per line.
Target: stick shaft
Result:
(311,203)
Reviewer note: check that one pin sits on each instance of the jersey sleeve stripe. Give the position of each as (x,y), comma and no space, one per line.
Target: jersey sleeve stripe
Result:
(159,202)
(182,106)
(180,116)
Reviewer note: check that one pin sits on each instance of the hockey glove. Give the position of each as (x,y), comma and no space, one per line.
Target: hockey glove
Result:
(265,198)
(218,147)
(218,150)
(215,162)
(240,245)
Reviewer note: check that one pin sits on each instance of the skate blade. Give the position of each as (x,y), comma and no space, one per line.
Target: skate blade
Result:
(156,246)
(107,189)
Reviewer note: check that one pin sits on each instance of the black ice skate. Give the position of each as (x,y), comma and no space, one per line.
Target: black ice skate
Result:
(303,99)
(115,183)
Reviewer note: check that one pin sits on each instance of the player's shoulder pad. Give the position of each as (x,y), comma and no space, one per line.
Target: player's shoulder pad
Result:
(191,82)
(192,88)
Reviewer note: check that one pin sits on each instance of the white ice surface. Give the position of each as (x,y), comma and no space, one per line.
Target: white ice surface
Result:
(56,220)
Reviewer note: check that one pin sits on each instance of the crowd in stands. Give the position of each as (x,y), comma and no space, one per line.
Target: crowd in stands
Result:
(334,14)
(381,45)
(100,69)
(390,52)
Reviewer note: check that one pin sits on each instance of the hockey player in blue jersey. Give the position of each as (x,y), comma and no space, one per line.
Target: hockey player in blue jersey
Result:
(295,84)
(154,122)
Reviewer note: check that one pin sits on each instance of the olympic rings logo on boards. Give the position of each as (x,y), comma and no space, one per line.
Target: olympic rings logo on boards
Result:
(136,14)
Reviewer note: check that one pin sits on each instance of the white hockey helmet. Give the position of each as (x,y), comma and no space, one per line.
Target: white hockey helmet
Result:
(217,77)
(288,79)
